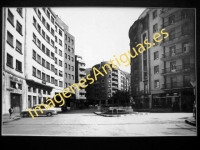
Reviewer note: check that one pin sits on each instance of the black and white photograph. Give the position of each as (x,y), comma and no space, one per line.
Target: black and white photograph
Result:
(99,71)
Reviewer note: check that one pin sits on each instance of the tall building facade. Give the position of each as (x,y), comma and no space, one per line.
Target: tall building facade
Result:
(80,73)
(161,75)
(34,48)
(106,86)
(13,52)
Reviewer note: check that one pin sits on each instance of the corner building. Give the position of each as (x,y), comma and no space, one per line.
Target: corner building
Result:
(163,74)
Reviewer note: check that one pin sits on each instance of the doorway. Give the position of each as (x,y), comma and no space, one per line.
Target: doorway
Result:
(16,102)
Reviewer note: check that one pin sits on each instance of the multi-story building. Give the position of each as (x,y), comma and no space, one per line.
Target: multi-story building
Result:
(80,73)
(161,75)
(13,75)
(106,86)
(34,57)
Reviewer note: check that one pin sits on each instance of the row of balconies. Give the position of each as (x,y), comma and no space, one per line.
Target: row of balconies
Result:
(177,52)
(176,37)
(181,84)
(178,68)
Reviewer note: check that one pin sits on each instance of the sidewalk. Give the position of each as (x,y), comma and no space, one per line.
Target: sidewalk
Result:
(191,121)
(158,110)
(6,117)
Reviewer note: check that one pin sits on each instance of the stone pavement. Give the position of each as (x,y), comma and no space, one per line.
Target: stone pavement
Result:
(6,117)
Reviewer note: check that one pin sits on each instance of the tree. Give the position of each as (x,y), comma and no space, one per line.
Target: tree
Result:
(120,98)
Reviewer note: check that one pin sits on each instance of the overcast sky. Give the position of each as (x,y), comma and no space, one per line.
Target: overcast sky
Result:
(100,33)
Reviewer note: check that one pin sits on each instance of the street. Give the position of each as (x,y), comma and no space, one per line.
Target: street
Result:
(86,123)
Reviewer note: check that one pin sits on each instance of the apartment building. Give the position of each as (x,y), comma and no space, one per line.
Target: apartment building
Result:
(106,86)
(34,57)
(162,74)
(13,73)
(80,73)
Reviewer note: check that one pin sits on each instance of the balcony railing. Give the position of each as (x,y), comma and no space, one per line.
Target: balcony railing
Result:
(178,68)
(178,52)
(177,35)
(176,19)
(164,11)
(180,84)
(144,55)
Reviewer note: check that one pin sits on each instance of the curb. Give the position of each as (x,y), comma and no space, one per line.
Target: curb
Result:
(190,123)
(17,118)
(119,115)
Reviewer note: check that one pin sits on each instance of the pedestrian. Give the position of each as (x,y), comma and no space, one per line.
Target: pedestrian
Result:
(11,112)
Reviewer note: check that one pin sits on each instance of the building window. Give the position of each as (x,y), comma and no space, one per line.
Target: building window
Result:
(56,82)
(186,63)
(52,67)
(72,59)
(29,89)
(34,100)
(69,57)
(38,43)
(34,90)
(52,31)
(55,49)
(65,75)
(43,21)
(52,19)
(19,28)
(156,83)
(34,21)
(69,76)
(60,73)
(60,32)
(172,50)
(10,17)
(186,47)
(156,55)
(18,46)
(39,14)
(60,42)
(56,28)
(155,28)
(69,66)
(56,38)
(52,55)
(154,14)
(55,60)
(72,77)
(47,38)
(65,37)
(43,48)
(10,38)
(69,48)
(48,78)
(65,55)
(65,65)
(19,10)
(38,58)
(48,65)
(48,27)
(60,52)
(60,63)
(69,39)
(48,14)
(43,62)
(72,50)
(43,34)
(60,83)
(34,71)
(43,76)
(52,80)
(72,68)
(65,84)
(171,19)
(172,65)
(156,69)
(39,74)
(34,55)
(52,43)
(9,60)
(184,14)
(72,42)
(47,52)
(34,38)
(56,71)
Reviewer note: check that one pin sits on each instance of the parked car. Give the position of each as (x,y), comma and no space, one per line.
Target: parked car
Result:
(48,112)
